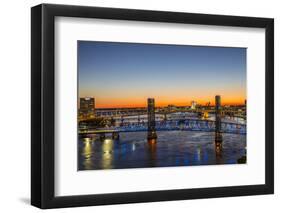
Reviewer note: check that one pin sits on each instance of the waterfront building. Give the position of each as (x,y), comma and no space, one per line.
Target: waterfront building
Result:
(87,108)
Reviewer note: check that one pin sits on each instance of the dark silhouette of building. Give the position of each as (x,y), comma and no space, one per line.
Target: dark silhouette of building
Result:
(151,132)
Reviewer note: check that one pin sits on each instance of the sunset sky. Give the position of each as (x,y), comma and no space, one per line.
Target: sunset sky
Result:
(126,74)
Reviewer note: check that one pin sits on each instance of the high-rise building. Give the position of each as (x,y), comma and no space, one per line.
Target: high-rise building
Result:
(87,107)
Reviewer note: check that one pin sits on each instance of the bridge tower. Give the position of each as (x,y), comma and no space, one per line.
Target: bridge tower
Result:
(218,135)
(151,132)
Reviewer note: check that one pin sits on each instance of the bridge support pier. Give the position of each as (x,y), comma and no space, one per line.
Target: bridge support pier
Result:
(115,136)
(102,136)
(151,131)
(218,135)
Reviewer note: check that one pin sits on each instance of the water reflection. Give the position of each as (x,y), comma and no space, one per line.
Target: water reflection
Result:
(173,148)
(198,153)
(218,151)
(152,148)
(87,153)
(107,149)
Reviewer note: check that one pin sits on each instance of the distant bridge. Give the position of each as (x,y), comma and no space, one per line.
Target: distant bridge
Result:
(141,112)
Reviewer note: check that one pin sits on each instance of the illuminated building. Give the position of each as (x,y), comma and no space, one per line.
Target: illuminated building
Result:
(172,107)
(87,108)
(193,104)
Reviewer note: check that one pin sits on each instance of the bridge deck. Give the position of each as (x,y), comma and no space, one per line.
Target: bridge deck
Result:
(171,125)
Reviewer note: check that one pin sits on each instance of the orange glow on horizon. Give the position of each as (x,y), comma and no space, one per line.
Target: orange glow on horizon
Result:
(138,102)
(164,96)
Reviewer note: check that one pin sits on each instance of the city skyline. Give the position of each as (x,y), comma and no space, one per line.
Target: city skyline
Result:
(126,74)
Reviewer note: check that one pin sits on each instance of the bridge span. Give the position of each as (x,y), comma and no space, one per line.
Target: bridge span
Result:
(172,125)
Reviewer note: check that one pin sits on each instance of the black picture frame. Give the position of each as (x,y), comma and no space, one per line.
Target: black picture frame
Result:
(43,102)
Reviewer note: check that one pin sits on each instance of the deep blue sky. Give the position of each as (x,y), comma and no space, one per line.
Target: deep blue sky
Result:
(124,74)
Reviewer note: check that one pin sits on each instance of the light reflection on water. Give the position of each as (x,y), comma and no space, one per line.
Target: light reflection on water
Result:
(172,148)
(87,153)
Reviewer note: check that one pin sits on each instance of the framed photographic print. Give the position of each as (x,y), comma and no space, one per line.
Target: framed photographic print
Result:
(139,106)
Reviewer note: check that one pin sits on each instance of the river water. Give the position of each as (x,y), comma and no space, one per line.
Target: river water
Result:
(173,148)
